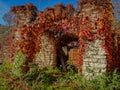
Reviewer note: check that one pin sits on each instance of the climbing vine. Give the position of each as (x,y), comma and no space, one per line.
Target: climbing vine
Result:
(51,21)
(60,20)
(100,28)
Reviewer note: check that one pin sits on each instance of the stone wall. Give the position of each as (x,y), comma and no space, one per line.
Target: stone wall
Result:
(94,61)
(94,57)
(24,16)
(91,21)
(47,54)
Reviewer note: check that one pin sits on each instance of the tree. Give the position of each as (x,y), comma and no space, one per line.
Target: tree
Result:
(9,18)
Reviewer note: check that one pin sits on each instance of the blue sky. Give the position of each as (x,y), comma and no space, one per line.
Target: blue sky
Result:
(41,4)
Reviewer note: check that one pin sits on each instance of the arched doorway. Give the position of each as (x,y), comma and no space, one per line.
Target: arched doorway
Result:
(65,43)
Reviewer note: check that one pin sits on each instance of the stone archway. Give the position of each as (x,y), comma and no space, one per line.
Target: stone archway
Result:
(65,43)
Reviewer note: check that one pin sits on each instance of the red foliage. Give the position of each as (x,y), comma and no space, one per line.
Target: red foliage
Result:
(49,20)
(103,32)
(60,19)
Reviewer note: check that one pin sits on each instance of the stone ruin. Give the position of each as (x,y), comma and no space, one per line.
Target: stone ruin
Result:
(57,47)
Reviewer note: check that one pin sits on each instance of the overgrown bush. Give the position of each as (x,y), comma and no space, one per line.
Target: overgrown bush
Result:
(18,64)
(12,77)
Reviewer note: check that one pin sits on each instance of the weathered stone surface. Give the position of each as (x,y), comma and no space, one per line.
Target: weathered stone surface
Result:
(94,60)
(94,57)
(47,55)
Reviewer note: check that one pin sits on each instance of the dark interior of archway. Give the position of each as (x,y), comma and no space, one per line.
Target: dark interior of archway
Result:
(64,44)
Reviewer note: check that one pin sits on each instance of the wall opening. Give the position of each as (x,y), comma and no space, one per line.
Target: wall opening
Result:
(64,45)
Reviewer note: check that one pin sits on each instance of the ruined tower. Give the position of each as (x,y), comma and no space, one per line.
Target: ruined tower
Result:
(40,35)
(95,37)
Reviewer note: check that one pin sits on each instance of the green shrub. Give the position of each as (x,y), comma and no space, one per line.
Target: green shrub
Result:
(18,64)
(3,81)
(13,77)
(3,84)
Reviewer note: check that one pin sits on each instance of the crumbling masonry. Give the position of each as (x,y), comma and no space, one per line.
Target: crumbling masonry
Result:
(81,36)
